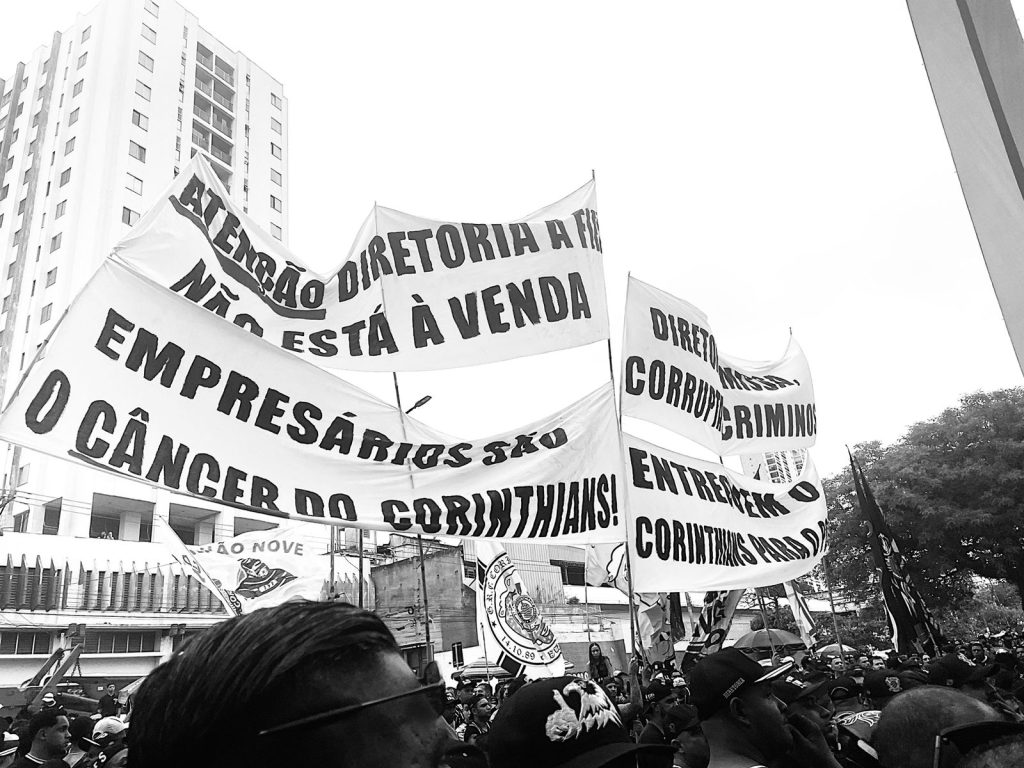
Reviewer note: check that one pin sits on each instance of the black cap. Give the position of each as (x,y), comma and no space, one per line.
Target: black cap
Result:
(560,722)
(843,688)
(717,678)
(794,687)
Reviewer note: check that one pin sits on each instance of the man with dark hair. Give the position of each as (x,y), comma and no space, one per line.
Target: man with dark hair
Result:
(745,723)
(1007,752)
(304,683)
(906,730)
(108,706)
(659,698)
(47,738)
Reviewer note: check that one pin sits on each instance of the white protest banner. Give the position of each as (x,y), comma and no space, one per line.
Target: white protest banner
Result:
(412,295)
(674,375)
(513,632)
(695,525)
(261,569)
(143,383)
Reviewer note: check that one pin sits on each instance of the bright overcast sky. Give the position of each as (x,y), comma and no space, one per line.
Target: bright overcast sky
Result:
(780,165)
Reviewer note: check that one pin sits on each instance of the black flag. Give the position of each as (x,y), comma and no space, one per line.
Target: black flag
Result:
(913,628)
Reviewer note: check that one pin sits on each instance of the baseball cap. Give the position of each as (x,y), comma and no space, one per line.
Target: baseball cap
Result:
(884,683)
(465,685)
(9,745)
(560,722)
(717,678)
(843,688)
(683,716)
(793,686)
(657,691)
(107,728)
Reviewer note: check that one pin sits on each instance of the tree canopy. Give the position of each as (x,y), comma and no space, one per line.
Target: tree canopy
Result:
(952,490)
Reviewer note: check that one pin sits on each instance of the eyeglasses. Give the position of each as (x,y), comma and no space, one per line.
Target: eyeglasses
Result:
(435,694)
(961,739)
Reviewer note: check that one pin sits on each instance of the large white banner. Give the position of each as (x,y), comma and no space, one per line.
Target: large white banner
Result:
(695,525)
(674,375)
(413,294)
(261,569)
(141,382)
(513,631)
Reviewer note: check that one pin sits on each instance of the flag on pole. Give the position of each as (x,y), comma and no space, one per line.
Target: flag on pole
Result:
(713,624)
(912,626)
(181,555)
(513,632)
(802,614)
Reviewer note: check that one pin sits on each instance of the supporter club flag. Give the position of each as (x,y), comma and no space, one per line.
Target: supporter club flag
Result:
(910,622)
(514,634)
(801,613)
(713,625)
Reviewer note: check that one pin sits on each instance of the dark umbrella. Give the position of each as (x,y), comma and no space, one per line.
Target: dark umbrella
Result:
(759,640)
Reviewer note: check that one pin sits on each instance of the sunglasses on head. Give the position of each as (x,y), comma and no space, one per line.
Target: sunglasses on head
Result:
(434,693)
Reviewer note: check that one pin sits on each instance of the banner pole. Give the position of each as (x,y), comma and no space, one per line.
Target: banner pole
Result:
(359,535)
(586,603)
(764,618)
(331,593)
(419,537)
(689,611)
(832,603)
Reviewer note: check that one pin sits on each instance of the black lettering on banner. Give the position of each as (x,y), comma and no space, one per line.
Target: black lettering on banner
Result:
(52,396)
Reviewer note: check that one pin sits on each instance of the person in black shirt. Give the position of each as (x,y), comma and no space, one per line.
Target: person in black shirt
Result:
(48,739)
(480,709)
(108,706)
(598,665)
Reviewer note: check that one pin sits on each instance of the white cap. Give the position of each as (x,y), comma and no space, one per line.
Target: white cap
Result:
(9,745)
(108,726)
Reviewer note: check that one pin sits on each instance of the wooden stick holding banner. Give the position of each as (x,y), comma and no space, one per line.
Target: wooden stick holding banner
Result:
(419,537)
(629,560)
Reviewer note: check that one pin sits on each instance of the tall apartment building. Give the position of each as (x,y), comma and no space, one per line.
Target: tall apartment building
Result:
(93,126)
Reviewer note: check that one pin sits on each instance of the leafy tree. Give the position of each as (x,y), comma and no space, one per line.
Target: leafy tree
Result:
(867,628)
(952,490)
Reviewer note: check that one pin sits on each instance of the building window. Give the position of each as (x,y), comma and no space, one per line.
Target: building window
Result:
(55,241)
(153,8)
(275,203)
(23,474)
(44,316)
(146,61)
(149,33)
(81,60)
(275,230)
(275,176)
(572,573)
(134,183)
(73,117)
(143,90)
(85,33)
(65,177)
(51,517)
(104,526)
(4,191)
(69,146)
(140,120)
(275,150)
(275,100)
(119,642)
(25,643)
(6,304)
(51,277)
(22,204)
(11,268)
(275,125)
(128,216)
(62,207)
(137,151)
(35,118)
(78,88)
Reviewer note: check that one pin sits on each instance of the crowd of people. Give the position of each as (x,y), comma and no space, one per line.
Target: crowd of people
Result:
(314,684)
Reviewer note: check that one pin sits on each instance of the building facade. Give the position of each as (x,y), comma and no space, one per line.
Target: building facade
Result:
(94,125)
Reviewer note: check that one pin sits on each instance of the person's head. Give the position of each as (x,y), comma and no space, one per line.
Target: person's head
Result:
(111,689)
(877,662)
(483,688)
(977,651)
(48,733)
(611,687)
(49,700)
(737,708)
(1007,752)
(659,697)
(837,665)
(110,733)
(595,652)
(465,690)
(302,683)
(562,722)
(8,748)
(906,730)
(480,708)
(80,733)
(863,661)
(687,735)
(807,696)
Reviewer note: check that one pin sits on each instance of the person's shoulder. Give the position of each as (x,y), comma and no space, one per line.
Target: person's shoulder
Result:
(651,734)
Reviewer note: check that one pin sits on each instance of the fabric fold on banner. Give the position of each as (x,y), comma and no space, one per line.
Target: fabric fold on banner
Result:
(261,569)
(702,526)
(911,624)
(142,383)
(674,375)
(413,294)
(974,56)
(513,632)
(193,566)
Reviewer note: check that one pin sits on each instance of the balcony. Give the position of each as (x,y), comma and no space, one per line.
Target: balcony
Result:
(206,61)
(220,154)
(225,101)
(201,139)
(224,71)
(205,87)
(222,125)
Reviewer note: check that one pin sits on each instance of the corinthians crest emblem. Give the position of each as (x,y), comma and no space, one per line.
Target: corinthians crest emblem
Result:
(513,617)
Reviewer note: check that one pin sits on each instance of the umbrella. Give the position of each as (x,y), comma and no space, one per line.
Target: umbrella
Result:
(833,649)
(480,670)
(759,640)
